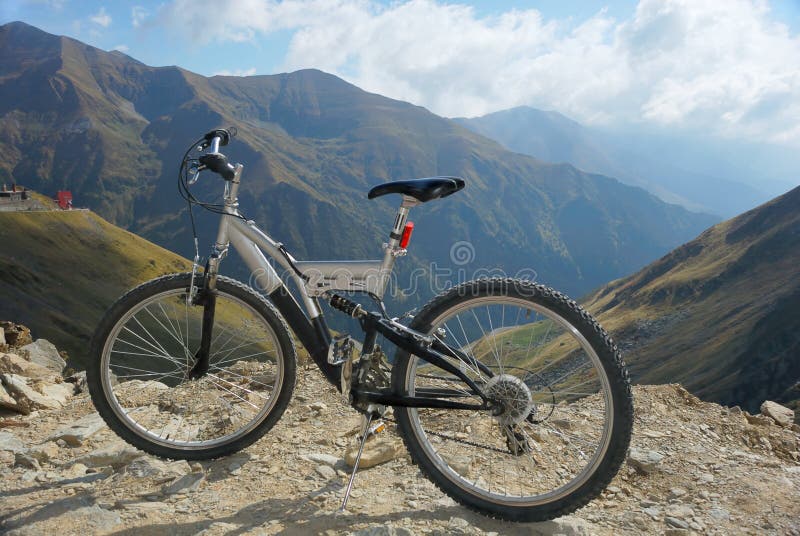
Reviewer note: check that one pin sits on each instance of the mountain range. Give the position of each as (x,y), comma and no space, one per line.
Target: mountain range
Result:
(720,314)
(113,130)
(551,136)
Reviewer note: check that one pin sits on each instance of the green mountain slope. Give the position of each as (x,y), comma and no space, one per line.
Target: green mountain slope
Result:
(60,271)
(553,137)
(720,314)
(113,130)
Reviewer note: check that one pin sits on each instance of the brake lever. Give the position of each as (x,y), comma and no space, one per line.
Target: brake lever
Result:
(196,170)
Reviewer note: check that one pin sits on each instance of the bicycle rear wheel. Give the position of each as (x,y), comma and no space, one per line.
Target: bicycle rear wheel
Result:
(144,349)
(566,408)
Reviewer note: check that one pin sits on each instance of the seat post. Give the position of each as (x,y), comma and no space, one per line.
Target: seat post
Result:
(392,247)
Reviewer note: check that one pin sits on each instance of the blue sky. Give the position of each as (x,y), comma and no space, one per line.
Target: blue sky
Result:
(730,68)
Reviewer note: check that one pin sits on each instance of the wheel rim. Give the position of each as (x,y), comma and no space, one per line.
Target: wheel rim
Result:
(148,354)
(546,456)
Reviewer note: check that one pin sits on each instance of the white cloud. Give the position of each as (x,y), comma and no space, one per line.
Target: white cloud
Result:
(726,67)
(101,18)
(236,72)
(138,15)
(121,48)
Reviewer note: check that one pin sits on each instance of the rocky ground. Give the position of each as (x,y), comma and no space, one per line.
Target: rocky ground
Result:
(694,468)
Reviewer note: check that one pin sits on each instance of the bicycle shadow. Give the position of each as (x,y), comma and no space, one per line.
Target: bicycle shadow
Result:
(298,515)
(303,516)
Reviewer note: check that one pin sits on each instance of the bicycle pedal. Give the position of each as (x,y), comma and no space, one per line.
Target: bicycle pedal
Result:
(376,428)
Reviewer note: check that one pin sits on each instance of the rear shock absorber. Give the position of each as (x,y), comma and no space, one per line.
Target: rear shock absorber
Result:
(348,307)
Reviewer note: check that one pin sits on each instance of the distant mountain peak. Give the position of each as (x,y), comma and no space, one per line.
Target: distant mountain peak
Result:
(554,137)
(20,25)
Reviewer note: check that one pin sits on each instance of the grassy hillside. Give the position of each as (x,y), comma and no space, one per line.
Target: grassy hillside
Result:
(59,271)
(721,314)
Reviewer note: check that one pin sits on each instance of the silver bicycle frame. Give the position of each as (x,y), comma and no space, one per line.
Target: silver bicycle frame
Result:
(313,278)
(319,277)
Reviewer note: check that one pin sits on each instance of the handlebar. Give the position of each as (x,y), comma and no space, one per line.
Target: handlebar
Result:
(214,160)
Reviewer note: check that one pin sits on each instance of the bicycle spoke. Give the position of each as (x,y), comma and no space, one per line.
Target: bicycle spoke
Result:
(234,349)
(168,330)
(241,358)
(148,352)
(237,386)
(249,379)
(223,388)
(157,345)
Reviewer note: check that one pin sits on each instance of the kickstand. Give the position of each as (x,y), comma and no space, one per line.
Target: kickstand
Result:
(364,435)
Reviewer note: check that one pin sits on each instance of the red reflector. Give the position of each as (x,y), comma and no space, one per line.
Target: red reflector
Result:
(407,234)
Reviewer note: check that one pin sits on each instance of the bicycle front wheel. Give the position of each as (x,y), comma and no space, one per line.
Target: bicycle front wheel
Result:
(563,407)
(145,346)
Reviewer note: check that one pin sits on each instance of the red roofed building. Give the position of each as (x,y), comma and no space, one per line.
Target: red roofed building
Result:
(64,198)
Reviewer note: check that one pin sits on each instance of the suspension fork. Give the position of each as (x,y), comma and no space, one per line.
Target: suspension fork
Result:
(207,297)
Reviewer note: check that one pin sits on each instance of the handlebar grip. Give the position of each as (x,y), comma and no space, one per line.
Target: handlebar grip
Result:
(218,163)
(224,136)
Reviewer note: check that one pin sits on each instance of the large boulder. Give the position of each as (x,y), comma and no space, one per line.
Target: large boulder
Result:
(377,450)
(28,398)
(781,414)
(14,364)
(60,392)
(44,353)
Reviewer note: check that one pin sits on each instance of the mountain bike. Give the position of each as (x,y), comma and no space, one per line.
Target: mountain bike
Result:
(508,396)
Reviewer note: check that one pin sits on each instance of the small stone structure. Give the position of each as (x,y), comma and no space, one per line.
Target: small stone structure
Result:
(14,198)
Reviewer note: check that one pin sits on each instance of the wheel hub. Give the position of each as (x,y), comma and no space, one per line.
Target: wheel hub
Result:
(514,397)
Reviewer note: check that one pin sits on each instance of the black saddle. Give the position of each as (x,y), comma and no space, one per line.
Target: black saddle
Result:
(420,189)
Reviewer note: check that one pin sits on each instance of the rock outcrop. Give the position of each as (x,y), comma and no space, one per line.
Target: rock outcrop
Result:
(15,335)
(30,373)
(780,414)
(43,353)
(693,468)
